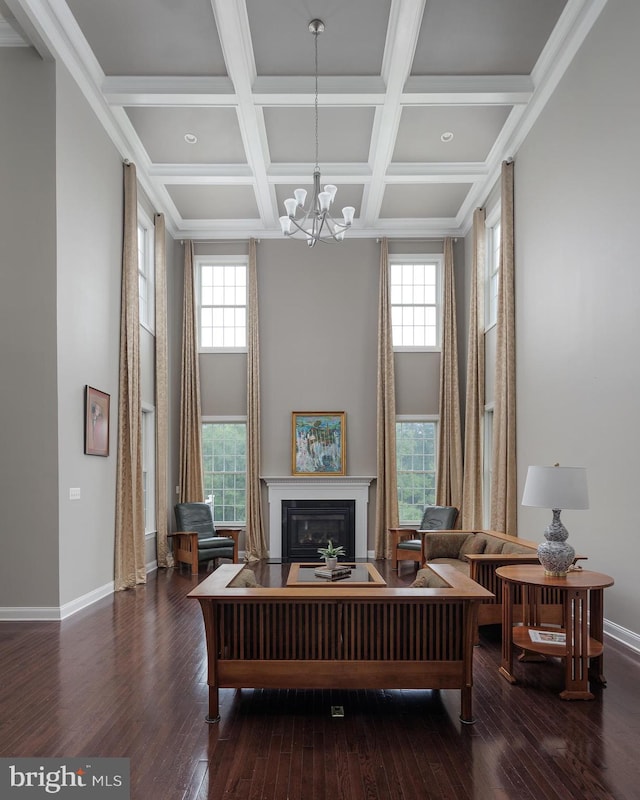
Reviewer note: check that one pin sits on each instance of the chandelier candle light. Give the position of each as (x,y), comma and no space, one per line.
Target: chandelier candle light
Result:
(315,221)
(556,488)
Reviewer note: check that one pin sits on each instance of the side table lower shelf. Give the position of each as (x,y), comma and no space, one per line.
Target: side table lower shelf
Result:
(522,639)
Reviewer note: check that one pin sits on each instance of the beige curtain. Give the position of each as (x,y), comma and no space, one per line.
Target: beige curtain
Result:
(387,483)
(163,552)
(129,527)
(472,510)
(503,480)
(191,479)
(255,543)
(449,474)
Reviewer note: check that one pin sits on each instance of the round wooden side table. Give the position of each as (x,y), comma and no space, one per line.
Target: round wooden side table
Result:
(580,640)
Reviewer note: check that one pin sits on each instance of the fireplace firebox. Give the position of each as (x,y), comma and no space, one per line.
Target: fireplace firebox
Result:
(309,524)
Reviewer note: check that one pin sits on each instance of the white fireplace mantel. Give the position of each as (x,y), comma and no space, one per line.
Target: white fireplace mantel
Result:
(303,487)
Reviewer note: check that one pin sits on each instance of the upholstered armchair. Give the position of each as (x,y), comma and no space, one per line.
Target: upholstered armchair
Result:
(408,545)
(198,540)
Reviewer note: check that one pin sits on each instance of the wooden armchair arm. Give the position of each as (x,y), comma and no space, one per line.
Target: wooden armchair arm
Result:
(397,535)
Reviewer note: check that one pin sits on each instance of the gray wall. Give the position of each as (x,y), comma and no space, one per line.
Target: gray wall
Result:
(89,208)
(318,350)
(578,299)
(28,397)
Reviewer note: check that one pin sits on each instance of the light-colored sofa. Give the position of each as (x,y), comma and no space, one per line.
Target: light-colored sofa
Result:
(478,554)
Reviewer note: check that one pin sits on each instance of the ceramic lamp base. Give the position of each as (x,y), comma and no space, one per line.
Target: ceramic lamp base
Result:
(555,555)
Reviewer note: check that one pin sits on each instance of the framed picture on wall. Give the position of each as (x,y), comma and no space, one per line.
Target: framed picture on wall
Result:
(318,444)
(96,422)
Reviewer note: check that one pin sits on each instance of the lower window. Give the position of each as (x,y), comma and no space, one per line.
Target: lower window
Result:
(224,454)
(416,446)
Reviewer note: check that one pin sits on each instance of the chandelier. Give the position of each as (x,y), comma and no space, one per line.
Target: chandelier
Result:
(314,222)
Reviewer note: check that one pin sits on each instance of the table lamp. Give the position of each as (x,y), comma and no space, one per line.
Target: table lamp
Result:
(556,488)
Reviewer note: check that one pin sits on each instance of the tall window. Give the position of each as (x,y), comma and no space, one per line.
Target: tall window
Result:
(415,302)
(222,303)
(146,270)
(416,440)
(148,467)
(224,453)
(493,274)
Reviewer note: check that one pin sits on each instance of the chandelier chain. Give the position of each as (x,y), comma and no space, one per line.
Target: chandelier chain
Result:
(315,36)
(314,220)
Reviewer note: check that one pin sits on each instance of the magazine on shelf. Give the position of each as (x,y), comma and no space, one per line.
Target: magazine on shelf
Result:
(547,637)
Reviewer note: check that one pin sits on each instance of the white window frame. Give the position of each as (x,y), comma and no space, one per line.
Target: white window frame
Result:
(231,261)
(434,418)
(438,260)
(229,420)
(487,464)
(146,270)
(492,267)
(148,459)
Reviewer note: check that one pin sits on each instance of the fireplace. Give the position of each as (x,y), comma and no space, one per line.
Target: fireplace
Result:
(338,487)
(309,524)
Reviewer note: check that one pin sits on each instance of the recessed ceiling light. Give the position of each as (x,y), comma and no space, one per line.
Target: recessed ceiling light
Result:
(447,136)
(190,138)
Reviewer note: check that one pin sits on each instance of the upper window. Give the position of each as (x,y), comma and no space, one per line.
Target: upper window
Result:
(146,268)
(416,447)
(415,302)
(493,274)
(222,303)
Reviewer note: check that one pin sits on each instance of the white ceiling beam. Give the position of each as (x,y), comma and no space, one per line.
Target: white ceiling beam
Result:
(402,37)
(333,91)
(168,91)
(235,37)
(473,90)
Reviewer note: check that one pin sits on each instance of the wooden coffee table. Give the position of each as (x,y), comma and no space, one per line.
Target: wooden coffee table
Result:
(362,574)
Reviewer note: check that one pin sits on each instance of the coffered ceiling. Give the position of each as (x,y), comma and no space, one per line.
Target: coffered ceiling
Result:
(238,75)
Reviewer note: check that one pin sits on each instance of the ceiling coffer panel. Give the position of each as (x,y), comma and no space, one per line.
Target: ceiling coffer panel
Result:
(474,129)
(344,134)
(214,202)
(352,42)
(162,132)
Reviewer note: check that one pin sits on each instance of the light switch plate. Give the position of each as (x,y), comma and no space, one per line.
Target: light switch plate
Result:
(74,494)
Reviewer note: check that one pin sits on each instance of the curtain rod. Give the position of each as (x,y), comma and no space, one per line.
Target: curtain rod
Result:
(422,239)
(220,241)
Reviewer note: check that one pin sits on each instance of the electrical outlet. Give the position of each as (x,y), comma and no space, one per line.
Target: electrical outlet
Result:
(74,494)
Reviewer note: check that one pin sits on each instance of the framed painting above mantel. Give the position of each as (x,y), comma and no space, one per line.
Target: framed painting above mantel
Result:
(318,444)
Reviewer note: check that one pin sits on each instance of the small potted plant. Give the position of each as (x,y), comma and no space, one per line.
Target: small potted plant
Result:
(331,554)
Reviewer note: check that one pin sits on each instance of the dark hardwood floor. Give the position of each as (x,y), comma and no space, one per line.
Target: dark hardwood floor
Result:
(127,677)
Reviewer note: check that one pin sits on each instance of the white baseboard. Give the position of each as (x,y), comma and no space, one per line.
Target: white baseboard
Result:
(622,635)
(55,614)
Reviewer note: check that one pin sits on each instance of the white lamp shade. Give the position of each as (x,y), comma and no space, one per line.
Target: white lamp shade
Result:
(556,488)
(325,200)
(348,213)
(285,224)
(300,196)
(332,190)
(290,206)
